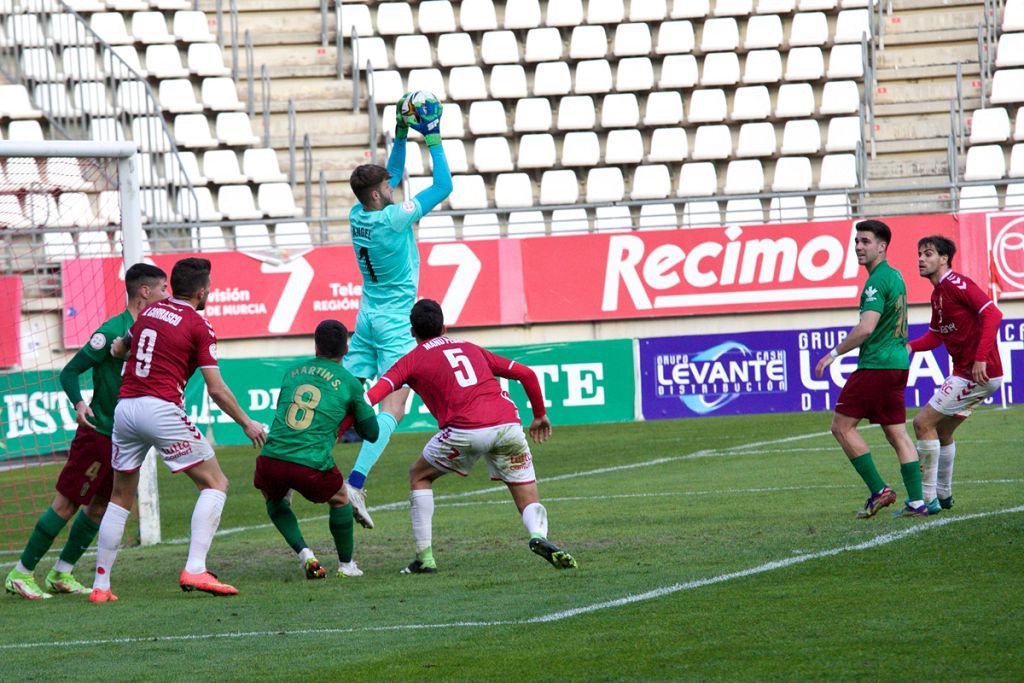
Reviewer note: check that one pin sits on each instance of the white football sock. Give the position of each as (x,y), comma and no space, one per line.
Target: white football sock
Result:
(107,541)
(421,509)
(63,567)
(944,484)
(928,454)
(205,520)
(535,519)
(22,568)
(305,554)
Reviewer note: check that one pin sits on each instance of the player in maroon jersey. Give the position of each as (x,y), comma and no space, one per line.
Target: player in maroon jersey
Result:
(169,340)
(967,322)
(458,383)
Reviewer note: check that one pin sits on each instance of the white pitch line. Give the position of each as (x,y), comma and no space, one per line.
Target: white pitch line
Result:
(880,540)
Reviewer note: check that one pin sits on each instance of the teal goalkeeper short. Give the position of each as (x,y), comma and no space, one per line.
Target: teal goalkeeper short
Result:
(379,341)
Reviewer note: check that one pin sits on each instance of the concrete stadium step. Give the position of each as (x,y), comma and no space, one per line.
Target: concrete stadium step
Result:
(310,94)
(924,164)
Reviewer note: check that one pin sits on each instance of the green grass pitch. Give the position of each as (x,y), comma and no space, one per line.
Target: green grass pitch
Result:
(722,549)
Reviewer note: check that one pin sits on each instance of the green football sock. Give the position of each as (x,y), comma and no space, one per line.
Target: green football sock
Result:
(82,534)
(340,522)
(47,527)
(865,467)
(281,515)
(911,472)
(426,556)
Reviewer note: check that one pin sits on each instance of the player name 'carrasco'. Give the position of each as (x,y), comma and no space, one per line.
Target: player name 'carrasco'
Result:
(162,314)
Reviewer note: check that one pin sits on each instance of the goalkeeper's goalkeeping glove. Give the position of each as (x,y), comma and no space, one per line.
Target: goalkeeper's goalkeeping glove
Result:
(401,127)
(428,114)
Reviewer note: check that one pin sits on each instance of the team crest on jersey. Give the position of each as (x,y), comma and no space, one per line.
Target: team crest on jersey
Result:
(98,341)
(213,351)
(870,293)
(408,206)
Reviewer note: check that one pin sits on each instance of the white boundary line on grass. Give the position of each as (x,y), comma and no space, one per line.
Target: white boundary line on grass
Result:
(880,540)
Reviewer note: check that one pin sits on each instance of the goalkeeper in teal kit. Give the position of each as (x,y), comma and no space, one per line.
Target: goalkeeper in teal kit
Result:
(385,248)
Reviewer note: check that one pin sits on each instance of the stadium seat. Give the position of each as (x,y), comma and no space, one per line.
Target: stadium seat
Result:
(979,198)
(477,15)
(564,13)
(200,208)
(569,222)
(53,98)
(480,226)
(808,28)
(435,16)
(39,64)
(663,109)
(851,25)
(455,49)
(697,179)
(23,174)
(1016,169)
(156,205)
(468,192)
(658,217)
(633,74)
(720,68)
(801,136)
(543,45)
(65,29)
(775,6)
(410,52)
(840,97)
(40,210)
(552,78)
(1013,16)
(796,100)
(588,42)
(356,16)
(293,235)
(106,130)
(647,10)
(620,110)
(804,64)
(678,71)
(792,174)
(812,5)
(675,37)
(373,51)
(80,63)
(985,162)
(763,32)
(508,81)
(24,130)
(603,185)
(846,61)
(525,224)
(93,243)
(744,212)
(149,170)
(453,123)
(175,94)
(576,112)
(632,40)
(762,66)
(1018,128)
(108,208)
(513,190)
(606,12)
(668,144)
(193,130)
(581,149)
(612,219)
(707,106)
(751,102)
(831,207)
(712,142)
(429,80)
(148,132)
(150,28)
(414,165)
(236,202)
(394,18)
(651,182)
(209,238)
(221,166)
(15,104)
(756,140)
(110,28)
(191,27)
(593,76)
(532,114)
(189,167)
(206,59)
(261,166)
(536,150)
(436,228)
(1010,51)
(787,210)
(733,7)
(467,83)
(720,34)
(234,128)
(522,14)
(561,187)
(126,5)
(11,214)
(744,176)
(488,118)
(989,125)
(1006,86)
(838,171)
(689,9)
(844,134)
(162,61)
(492,155)
(1014,198)
(219,94)
(701,214)
(133,97)
(499,47)
(455,153)
(58,246)
(66,174)
(623,146)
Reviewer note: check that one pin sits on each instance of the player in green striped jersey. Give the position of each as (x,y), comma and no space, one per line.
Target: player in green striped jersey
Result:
(317,395)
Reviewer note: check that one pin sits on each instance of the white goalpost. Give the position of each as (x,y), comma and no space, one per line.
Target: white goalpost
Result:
(60,202)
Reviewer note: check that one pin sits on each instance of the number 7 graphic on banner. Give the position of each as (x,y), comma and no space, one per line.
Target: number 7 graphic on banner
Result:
(462,282)
(300,275)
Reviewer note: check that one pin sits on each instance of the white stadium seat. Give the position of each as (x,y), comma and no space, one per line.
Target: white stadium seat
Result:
(792,174)
(846,61)
(1010,51)
(804,64)
(720,34)
(429,80)
(411,52)
(110,27)
(763,31)
(720,68)
(576,112)
(658,217)
(356,16)
(293,235)
(733,7)
(261,166)
(812,5)
(701,214)
(436,228)
(200,208)
(663,109)
(206,59)
(455,49)
(150,28)
(744,212)
(808,28)
(775,6)
(477,15)
(581,148)
(762,66)
(712,142)
(148,132)
(162,61)
(651,182)
(387,86)
(536,150)
(564,13)
(647,10)
(394,18)
(560,187)
(697,179)
(675,37)
(635,73)
(801,136)
(525,224)
(588,42)
(499,47)
(751,102)
(543,45)
(840,97)
(620,110)
(468,192)
(467,83)
(689,9)
(851,25)
(487,117)
(234,128)
(756,140)
(221,166)
(985,162)
(744,176)
(593,76)
(787,210)
(492,155)
(219,94)
(80,63)
(1016,169)
(532,114)
(831,207)
(1006,86)
(435,16)
(632,40)
(668,144)
(603,185)
(480,226)
(54,98)
(192,27)
(979,198)
(844,134)
(678,71)
(513,190)
(552,78)
(838,171)
(569,222)
(236,202)
(508,81)
(795,100)
(521,14)
(455,152)
(623,146)
(1013,16)
(613,219)
(707,106)
(605,12)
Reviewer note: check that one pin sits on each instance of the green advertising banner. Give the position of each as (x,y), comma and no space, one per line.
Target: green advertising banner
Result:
(583,383)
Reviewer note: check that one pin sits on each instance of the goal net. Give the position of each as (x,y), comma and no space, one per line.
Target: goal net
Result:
(63,207)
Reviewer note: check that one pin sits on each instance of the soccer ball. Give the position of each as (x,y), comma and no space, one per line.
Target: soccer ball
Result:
(417,100)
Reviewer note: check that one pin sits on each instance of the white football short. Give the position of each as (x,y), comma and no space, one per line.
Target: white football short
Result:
(958,396)
(504,447)
(147,421)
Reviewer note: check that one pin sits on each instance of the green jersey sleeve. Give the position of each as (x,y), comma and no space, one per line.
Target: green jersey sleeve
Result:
(98,348)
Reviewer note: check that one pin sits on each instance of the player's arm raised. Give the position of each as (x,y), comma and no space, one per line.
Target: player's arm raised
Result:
(860,332)
(226,401)
(81,363)
(540,427)
(396,161)
(430,125)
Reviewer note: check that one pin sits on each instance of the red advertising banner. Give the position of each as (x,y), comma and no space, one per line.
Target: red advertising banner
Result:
(1004,242)
(10,321)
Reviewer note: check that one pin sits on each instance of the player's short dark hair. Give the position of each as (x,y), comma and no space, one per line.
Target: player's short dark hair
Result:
(142,274)
(365,179)
(879,229)
(189,275)
(943,246)
(427,319)
(331,338)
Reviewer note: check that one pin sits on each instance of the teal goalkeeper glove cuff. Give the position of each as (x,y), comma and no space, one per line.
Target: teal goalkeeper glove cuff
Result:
(432,139)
